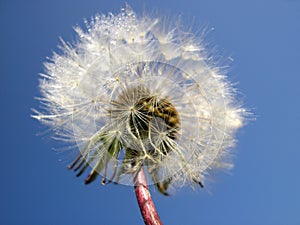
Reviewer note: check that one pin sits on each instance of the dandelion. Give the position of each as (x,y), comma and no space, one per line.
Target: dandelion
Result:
(144,103)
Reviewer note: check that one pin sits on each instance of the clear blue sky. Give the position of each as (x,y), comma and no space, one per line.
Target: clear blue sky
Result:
(263,37)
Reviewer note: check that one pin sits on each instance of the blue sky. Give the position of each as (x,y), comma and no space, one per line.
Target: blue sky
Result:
(262,36)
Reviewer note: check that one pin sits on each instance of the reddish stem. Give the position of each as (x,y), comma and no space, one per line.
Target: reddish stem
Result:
(144,200)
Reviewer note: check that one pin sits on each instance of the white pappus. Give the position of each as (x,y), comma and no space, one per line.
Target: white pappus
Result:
(134,91)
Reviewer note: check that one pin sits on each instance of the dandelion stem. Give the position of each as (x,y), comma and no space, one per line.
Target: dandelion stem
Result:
(144,199)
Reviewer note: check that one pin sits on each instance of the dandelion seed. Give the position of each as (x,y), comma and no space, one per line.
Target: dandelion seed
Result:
(135,95)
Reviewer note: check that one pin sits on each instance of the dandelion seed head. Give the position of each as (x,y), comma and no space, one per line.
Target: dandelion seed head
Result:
(132,92)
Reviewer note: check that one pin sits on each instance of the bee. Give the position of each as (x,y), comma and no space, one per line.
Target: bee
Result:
(149,114)
(153,107)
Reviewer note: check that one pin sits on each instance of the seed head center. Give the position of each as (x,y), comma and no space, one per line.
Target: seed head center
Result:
(152,119)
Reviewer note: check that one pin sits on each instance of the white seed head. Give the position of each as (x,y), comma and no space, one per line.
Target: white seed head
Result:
(133,92)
